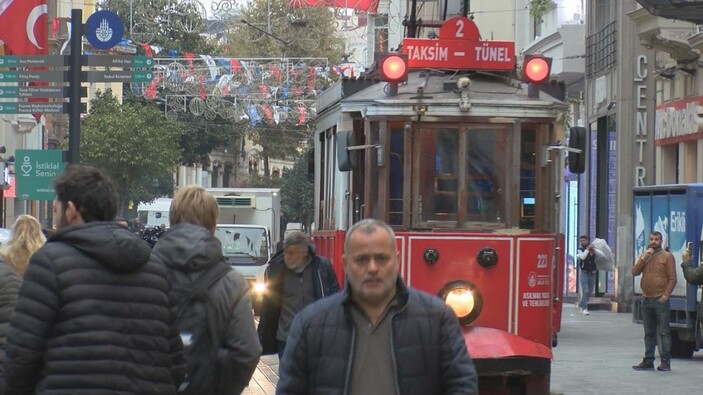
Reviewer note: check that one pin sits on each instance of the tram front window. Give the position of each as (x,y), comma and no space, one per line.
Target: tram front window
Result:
(460,176)
(446,182)
(484,173)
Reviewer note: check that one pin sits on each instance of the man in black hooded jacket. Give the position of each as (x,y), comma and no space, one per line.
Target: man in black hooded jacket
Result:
(93,314)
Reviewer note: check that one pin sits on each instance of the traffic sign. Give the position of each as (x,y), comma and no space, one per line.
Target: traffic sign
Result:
(104,29)
(33,76)
(32,108)
(118,76)
(30,92)
(118,61)
(34,61)
(35,171)
(124,61)
(459,47)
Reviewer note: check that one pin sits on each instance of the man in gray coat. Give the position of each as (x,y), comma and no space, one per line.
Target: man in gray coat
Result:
(189,250)
(378,336)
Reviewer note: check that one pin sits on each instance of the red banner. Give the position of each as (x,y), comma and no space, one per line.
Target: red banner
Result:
(23,26)
(359,5)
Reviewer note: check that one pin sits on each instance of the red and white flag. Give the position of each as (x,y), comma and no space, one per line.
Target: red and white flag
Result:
(24,26)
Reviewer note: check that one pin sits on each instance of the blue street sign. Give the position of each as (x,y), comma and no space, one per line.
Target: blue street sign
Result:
(104,29)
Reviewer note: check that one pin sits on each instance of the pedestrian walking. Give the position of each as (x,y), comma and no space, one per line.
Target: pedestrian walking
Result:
(122,221)
(296,276)
(658,271)
(26,239)
(693,275)
(93,314)
(216,318)
(378,336)
(587,264)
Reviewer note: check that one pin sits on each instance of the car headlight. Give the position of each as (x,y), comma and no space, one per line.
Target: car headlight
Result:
(259,287)
(464,299)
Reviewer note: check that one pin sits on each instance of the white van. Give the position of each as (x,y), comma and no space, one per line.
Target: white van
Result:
(154,213)
(247,248)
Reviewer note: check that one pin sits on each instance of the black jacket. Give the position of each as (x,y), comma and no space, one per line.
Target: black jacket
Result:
(429,352)
(93,317)
(9,288)
(694,275)
(325,285)
(188,250)
(587,264)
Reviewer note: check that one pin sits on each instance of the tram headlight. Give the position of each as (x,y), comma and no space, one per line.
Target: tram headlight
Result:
(259,287)
(464,299)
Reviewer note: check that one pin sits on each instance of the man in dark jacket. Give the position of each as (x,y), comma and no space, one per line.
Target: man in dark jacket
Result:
(189,249)
(693,275)
(296,277)
(93,314)
(587,263)
(378,336)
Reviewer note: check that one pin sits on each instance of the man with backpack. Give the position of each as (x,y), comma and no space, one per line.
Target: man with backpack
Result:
(215,314)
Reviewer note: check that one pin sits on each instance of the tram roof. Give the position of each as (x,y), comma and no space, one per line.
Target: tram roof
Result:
(489,95)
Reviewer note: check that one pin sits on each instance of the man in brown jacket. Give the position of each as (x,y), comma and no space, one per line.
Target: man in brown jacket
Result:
(658,270)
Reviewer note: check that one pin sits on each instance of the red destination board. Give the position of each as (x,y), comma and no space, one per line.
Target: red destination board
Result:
(459,47)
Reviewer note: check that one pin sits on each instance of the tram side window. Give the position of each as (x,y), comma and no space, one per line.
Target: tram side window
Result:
(395,211)
(485,175)
(527,180)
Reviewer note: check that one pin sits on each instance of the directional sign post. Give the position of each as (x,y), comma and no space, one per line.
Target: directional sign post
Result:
(35,171)
(103,30)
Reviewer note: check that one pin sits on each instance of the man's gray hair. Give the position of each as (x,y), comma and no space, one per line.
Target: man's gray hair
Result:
(368,226)
(297,239)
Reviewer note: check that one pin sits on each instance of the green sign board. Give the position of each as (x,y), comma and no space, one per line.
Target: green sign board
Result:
(35,171)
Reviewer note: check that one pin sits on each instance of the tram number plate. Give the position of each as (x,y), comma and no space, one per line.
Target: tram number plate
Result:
(541,261)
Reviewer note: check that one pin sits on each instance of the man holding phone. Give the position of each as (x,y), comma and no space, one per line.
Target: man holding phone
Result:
(658,270)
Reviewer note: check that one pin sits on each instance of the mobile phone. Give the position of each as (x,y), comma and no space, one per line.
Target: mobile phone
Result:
(689,246)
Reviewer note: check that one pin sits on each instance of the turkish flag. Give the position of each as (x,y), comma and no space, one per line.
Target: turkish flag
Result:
(23,26)
(359,5)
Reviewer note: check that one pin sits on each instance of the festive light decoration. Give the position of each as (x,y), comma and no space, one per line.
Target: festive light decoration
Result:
(257,90)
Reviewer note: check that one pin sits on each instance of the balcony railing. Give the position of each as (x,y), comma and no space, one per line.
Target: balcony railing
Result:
(600,50)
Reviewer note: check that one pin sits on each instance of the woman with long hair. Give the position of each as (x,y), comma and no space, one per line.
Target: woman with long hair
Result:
(26,239)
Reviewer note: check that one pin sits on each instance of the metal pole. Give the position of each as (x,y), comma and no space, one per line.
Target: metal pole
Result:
(131,22)
(412,23)
(74,81)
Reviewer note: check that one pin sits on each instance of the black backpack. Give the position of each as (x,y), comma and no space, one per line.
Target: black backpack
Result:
(198,329)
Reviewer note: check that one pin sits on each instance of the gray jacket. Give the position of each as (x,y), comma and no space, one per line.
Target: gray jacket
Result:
(188,249)
(429,353)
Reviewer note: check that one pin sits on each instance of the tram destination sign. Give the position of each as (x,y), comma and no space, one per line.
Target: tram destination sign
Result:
(459,47)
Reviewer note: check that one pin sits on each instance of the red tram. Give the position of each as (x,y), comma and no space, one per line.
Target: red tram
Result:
(467,167)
